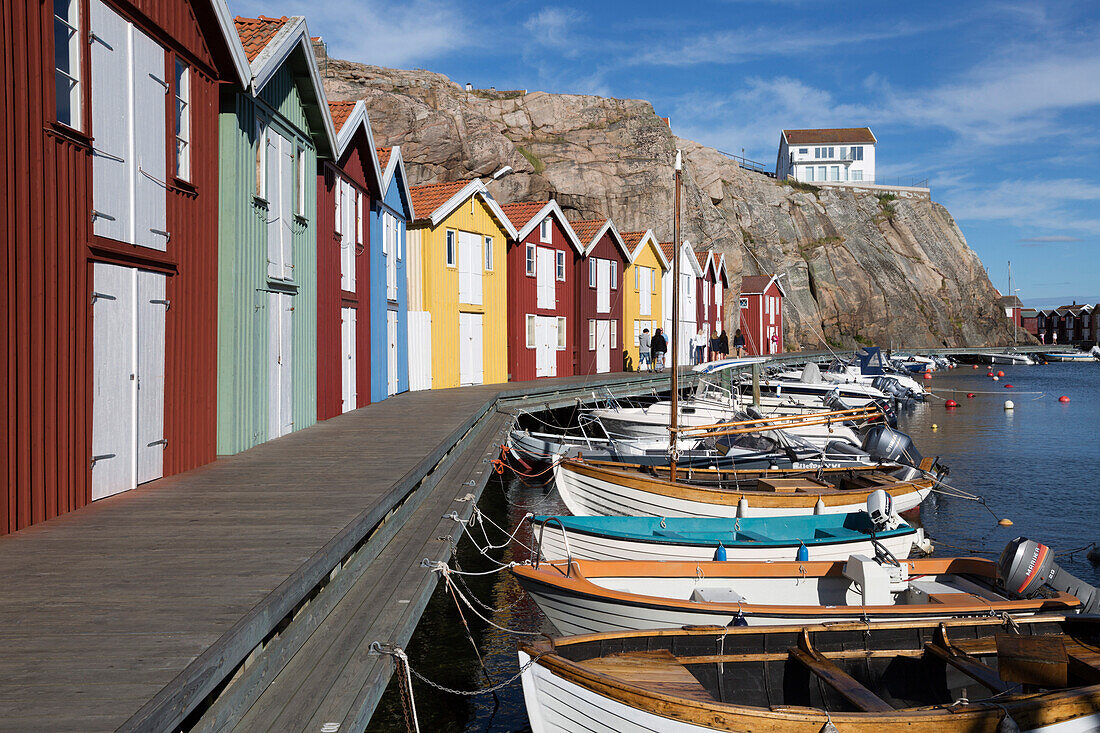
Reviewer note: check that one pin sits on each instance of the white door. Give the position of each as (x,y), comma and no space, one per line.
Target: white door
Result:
(546,346)
(603,286)
(471,345)
(603,346)
(420,350)
(391,352)
(152,307)
(128,326)
(348,362)
(645,290)
(469,268)
(280,382)
(545,273)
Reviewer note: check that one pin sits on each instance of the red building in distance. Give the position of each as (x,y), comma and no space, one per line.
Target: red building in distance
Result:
(599,277)
(761,314)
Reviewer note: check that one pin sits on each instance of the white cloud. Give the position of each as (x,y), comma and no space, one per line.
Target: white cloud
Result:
(376,32)
(556,28)
(1051,205)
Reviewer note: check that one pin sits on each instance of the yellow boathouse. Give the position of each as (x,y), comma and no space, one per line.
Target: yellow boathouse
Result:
(458,304)
(642,297)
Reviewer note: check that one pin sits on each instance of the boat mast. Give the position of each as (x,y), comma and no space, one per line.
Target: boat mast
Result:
(673,416)
(1012,292)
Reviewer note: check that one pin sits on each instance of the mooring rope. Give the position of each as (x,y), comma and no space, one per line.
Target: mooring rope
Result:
(444,570)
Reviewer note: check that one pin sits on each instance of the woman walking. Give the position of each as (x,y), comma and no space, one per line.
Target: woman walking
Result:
(657,347)
(738,343)
(723,345)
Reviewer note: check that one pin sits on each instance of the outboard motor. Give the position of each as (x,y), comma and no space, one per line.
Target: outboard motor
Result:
(880,507)
(887,445)
(1026,566)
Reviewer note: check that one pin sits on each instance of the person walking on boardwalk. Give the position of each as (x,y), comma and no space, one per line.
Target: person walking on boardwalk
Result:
(645,356)
(723,348)
(738,343)
(699,347)
(658,347)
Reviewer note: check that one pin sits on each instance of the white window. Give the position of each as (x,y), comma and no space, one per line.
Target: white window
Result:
(450,248)
(530,260)
(561,265)
(546,231)
(857,153)
(561,333)
(614,275)
(637,277)
(843,153)
(803,151)
(358,217)
(706,299)
(857,175)
(183,120)
(532,322)
(831,153)
(809,173)
(591,334)
(821,173)
(835,173)
(338,192)
(614,334)
(652,280)
(66,54)
(817,152)
(400,237)
(389,247)
(592,272)
(489,254)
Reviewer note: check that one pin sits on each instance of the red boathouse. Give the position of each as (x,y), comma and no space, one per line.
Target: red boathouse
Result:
(542,263)
(761,317)
(110,245)
(345,189)
(599,277)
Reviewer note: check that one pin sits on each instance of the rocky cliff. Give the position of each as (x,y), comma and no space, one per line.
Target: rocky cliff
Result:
(860,266)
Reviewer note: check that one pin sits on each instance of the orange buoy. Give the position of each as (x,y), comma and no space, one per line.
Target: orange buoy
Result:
(1000,374)
(928,375)
(950,403)
(969,395)
(1063,398)
(975,366)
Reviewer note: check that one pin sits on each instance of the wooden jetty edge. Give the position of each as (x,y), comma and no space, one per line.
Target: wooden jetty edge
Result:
(243,595)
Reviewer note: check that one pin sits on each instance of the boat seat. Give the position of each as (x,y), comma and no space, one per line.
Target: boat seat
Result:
(723,594)
(832,675)
(951,599)
(658,670)
(668,533)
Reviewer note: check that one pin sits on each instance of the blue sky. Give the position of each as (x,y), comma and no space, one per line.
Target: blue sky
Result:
(996,104)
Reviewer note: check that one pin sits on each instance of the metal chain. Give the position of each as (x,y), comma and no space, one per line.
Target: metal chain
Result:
(484,691)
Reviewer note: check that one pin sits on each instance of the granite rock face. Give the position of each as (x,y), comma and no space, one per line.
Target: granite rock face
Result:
(858,266)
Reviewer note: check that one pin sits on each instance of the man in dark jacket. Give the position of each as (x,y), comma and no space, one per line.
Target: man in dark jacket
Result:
(658,346)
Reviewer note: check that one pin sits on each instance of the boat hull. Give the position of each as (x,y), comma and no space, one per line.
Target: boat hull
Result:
(597,493)
(589,546)
(564,703)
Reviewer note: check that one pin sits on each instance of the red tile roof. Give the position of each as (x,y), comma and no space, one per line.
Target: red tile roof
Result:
(632,238)
(340,112)
(587,229)
(520,213)
(834,135)
(702,258)
(429,197)
(754,283)
(256,33)
(383,156)
(667,248)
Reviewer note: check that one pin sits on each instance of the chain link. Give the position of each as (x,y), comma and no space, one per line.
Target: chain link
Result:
(484,691)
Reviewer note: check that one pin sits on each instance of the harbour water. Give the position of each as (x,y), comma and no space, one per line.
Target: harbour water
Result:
(1037,465)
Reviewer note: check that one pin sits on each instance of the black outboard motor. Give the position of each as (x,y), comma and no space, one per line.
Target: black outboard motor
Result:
(887,445)
(1026,566)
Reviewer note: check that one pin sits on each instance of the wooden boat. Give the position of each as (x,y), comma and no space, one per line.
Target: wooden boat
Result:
(1074,356)
(607,489)
(1039,674)
(824,537)
(587,596)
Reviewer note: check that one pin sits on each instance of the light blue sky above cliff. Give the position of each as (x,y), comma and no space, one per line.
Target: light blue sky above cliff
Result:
(996,104)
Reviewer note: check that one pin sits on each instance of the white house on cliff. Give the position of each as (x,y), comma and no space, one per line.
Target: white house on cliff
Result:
(827,156)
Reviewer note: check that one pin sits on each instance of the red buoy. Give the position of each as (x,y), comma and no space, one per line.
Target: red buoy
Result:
(1063,398)
(989,374)
(969,395)
(975,366)
(1008,386)
(951,403)
(1000,374)
(928,375)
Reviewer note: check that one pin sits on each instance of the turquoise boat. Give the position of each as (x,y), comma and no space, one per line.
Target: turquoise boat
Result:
(812,537)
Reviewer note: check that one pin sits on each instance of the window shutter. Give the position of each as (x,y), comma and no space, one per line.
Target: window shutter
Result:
(287,160)
(150,142)
(272,182)
(111,123)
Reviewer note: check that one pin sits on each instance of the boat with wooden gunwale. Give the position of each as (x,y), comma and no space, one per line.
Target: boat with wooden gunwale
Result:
(589,596)
(610,489)
(1039,674)
(824,537)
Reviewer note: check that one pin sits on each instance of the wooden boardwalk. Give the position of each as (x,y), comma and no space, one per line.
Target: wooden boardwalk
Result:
(129,613)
